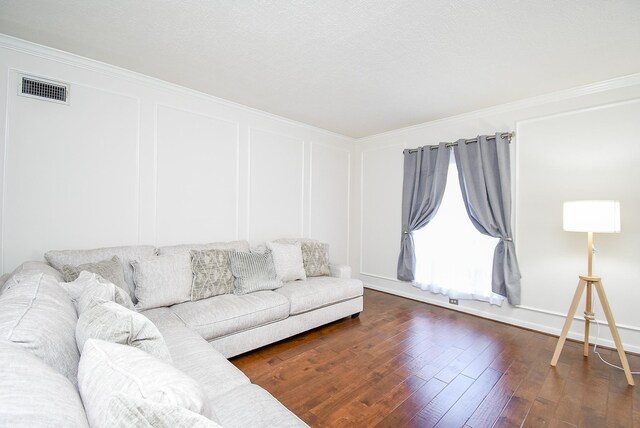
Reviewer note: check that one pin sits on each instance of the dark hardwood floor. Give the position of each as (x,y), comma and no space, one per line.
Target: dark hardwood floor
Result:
(407,363)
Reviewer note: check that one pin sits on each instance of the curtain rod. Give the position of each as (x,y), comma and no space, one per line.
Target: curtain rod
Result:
(468,141)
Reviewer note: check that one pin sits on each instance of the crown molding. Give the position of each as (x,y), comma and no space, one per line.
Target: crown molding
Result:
(45,52)
(562,95)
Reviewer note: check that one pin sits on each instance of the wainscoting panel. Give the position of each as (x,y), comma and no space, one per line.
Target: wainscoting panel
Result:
(381,197)
(133,160)
(329,198)
(590,153)
(276,176)
(196,177)
(67,170)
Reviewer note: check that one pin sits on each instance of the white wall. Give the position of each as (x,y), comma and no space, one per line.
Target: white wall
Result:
(133,160)
(577,144)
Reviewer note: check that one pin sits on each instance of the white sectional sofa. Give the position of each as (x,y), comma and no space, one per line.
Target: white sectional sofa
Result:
(37,325)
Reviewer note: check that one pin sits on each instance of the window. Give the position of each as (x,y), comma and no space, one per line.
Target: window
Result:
(452,257)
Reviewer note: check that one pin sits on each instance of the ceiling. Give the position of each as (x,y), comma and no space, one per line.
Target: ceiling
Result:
(355,67)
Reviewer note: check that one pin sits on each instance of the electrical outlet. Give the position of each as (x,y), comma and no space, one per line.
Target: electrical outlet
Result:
(453,301)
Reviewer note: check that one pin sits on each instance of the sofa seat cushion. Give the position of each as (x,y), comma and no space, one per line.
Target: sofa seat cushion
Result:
(319,291)
(162,317)
(252,406)
(194,356)
(229,313)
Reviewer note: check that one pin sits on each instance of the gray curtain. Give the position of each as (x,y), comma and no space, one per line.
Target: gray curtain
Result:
(485,180)
(425,177)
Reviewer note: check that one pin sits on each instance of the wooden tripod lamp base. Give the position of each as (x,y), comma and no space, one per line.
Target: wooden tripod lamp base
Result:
(589,282)
(590,217)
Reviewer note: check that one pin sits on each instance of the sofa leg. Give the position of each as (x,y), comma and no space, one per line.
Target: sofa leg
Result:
(355,315)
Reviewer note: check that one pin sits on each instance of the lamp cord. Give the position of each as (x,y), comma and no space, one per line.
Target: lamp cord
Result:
(595,344)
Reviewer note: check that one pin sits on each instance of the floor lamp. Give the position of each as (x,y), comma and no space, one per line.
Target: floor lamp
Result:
(592,217)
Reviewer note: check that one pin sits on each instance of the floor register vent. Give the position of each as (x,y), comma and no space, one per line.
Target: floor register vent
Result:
(43,89)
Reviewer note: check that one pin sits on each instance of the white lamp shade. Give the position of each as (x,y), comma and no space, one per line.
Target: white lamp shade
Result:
(591,216)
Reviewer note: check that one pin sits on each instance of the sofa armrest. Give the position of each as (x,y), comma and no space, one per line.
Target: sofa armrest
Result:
(340,271)
(39,267)
(3,280)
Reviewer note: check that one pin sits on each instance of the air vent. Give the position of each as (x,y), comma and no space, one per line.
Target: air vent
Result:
(43,89)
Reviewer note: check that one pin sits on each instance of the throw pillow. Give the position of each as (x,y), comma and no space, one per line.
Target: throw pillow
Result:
(90,289)
(287,259)
(109,368)
(59,258)
(133,412)
(111,270)
(114,323)
(40,317)
(211,273)
(162,280)
(253,272)
(315,256)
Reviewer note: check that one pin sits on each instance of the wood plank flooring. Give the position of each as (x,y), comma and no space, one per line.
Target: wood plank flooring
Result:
(404,363)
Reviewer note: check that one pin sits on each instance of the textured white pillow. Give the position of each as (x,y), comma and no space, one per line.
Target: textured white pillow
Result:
(162,280)
(112,322)
(109,368)
(90,289)
(133,412)
(315,255)
(288,260)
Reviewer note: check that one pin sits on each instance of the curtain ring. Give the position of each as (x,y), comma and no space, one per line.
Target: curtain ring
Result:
(507,239)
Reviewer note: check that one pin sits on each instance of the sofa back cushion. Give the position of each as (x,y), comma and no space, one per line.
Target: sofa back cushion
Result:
(162,280)
(112,322)
(37,314)
(185,248)
(110,368)
(33,394)
(59,258)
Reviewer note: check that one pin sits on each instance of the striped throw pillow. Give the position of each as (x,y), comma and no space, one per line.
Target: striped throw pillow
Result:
(253,272)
